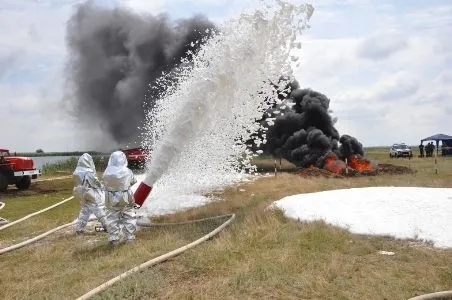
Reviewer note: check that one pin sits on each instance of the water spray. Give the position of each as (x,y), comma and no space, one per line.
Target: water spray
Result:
(198,128)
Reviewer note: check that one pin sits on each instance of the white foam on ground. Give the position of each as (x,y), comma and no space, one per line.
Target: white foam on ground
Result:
(166,202)
(401,212)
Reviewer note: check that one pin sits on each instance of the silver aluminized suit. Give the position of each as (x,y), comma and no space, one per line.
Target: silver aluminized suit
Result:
(119,200)
(92,197)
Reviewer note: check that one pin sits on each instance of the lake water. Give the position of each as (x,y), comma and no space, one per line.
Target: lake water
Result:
(40,161)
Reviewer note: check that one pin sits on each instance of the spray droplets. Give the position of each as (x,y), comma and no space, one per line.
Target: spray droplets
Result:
(198,129)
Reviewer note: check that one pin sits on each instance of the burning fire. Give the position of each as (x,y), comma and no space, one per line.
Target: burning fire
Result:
(333,164)
(360,164)
(355,162)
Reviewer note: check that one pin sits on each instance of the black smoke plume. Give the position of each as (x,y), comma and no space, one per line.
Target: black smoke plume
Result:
(114,54)
(301,129)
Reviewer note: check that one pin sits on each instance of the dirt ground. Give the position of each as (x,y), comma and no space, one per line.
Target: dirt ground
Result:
(393,169)
(389,169)
(40,187)
(35,189)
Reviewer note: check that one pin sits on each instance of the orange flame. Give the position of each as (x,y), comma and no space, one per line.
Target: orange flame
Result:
(360,163)
(333,164)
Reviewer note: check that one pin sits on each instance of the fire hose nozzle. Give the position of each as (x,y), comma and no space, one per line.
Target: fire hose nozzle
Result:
(141,193)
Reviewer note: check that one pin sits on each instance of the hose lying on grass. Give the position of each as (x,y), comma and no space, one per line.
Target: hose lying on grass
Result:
(39,237)
(36,238)
(2,220)
(163,257)
(445,295)
(140,223)
(35,213)
(147,264)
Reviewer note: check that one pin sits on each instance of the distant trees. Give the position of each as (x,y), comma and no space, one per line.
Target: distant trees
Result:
(39,151)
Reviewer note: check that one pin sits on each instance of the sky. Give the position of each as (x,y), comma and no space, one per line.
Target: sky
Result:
(385,65)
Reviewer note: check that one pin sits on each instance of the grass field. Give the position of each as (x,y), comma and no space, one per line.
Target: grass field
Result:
(261,255)
(67,166)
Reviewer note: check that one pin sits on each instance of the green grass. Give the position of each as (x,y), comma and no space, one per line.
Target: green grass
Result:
(261,255)
(41,195)
(69,165)
(67,153)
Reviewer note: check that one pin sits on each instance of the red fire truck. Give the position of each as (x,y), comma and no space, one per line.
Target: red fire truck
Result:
(136,157)
(16,170)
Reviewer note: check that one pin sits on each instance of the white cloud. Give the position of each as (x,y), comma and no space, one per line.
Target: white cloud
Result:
(385,67)
(159,6)
(387,85)
(143,6)
(432,17)
(395,87)
(445,78)
(32,62)
(382,45)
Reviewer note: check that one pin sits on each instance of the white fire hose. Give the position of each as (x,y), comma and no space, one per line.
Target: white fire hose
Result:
(163,257)
(35,213)
(159,259)
(144,265)
(36,238)
(140,222)
(41,236)
(2,220)
(434,296)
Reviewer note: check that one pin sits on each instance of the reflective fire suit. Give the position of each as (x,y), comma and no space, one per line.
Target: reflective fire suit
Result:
(118,179)
(88,190)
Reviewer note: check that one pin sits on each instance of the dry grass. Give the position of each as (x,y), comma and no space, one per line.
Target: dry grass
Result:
(261,255)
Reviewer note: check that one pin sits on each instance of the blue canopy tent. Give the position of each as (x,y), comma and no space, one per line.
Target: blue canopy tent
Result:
(446,140)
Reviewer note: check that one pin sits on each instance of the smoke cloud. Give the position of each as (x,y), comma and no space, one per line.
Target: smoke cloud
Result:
(300,129)
(116,58)
(114,54)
